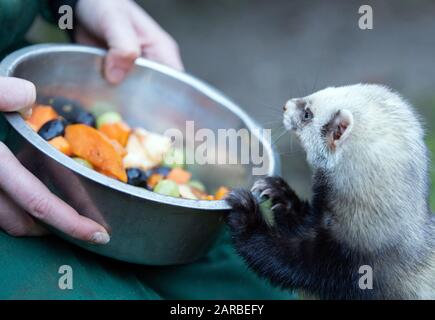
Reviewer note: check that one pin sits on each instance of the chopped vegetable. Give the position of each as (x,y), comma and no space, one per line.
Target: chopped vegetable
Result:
(164,171)
(137,177)
(221,193)
(93,146)
(118,131)
(119,149)
(61,144)
(186,192)
(145,150)
(168,188)
(41,114)
(72,111)
(154,179)
(86,118)
(52,129)
(198,193)
(138,157)
(108,118)
(179,176)
(197,185)
(266,211)
(83,162)
(155,145)
(174,158)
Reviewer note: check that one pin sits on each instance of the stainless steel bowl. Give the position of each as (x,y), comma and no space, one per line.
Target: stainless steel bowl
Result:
(145,227)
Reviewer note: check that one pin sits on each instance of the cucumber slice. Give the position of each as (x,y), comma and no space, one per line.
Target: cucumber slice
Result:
(266,212)
(108,117)
(168,188)
(84,162)
(174,158)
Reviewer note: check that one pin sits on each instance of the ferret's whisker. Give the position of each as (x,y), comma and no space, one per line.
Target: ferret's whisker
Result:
(272,122)
(279,137)
(281,130)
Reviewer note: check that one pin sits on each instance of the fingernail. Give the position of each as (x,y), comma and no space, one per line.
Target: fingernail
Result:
(100,238)
(117,74)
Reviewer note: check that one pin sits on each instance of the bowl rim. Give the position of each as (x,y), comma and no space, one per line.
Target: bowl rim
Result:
(8,66)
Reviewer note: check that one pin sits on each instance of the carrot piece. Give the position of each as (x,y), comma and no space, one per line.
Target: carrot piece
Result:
(41,114)
(118,131)
(61,144)
(120,149)
(154,179)
(221,193)
(209,197)
(90,144)
(179,175)
(198,193)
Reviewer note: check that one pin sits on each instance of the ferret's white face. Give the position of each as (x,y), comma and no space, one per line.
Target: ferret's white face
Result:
(322,121)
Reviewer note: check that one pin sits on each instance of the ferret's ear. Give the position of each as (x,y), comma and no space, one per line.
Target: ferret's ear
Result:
(338,128)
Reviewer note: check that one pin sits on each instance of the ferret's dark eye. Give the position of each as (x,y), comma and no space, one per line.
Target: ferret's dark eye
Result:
(308,115)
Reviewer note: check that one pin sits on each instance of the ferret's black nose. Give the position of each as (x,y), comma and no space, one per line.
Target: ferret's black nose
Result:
(284,108)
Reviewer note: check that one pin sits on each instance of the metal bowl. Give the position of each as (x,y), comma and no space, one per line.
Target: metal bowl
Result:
(145,227)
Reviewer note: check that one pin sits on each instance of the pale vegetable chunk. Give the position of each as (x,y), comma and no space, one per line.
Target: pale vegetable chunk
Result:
(168,188)
(186,192)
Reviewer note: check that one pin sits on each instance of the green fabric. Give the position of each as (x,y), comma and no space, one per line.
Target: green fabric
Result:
(29,270)
(29,266)
(16,16)
(4,128)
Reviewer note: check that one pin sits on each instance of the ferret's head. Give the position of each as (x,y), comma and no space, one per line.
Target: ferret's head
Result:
(366,122)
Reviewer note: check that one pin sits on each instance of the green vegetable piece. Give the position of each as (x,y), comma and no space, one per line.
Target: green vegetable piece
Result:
(197,185)
(174,158)
(108,117)
(168,188)
(266,212)
(84,162)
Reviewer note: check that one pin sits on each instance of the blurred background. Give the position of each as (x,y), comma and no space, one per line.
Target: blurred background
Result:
(260,53)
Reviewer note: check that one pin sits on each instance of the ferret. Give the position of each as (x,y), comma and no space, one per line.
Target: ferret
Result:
(369,210)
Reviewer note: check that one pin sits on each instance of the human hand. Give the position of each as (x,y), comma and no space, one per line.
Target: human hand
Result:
(23,198)
(128,31)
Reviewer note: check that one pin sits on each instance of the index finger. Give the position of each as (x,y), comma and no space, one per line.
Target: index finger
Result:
(34,197)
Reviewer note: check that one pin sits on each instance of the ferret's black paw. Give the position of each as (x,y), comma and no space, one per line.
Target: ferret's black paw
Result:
(245,215)
(283,199)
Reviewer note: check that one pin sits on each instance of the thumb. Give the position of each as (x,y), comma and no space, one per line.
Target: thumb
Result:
(16,95)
